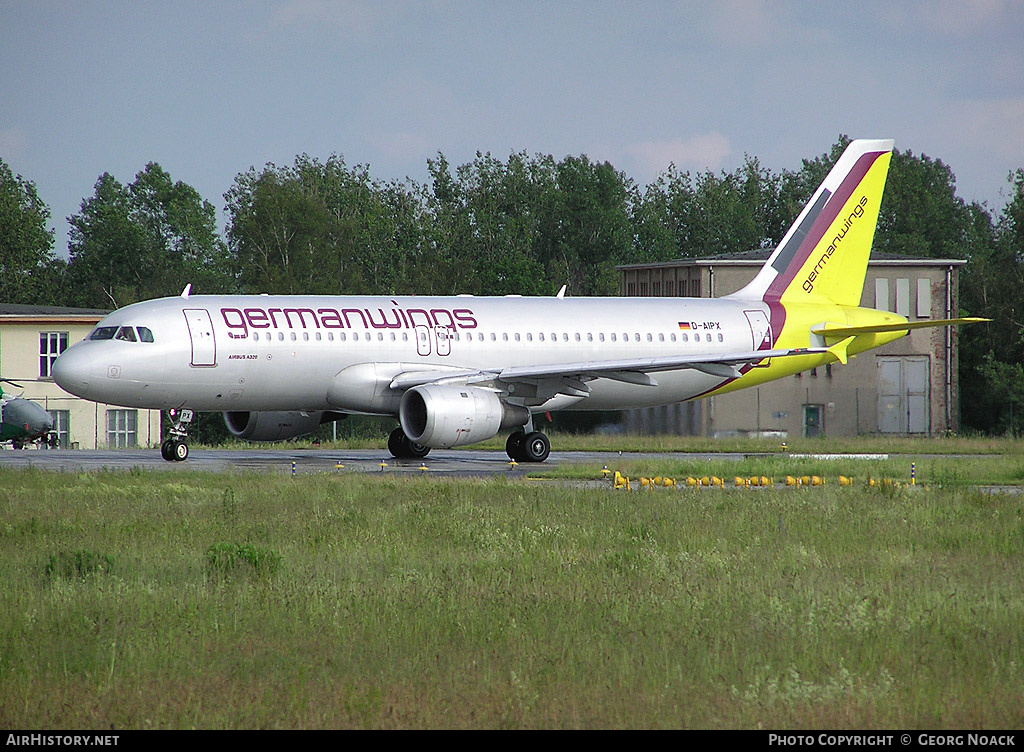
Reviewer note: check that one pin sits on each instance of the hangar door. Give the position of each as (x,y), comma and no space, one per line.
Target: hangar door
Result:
(903,394)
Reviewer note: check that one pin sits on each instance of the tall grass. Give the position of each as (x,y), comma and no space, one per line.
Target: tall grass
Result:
(245,600)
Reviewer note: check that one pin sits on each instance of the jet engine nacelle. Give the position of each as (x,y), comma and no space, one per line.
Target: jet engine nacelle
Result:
(447,416)
(276,426)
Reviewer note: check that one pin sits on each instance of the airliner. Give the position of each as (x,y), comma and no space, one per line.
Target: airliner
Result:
(458,370)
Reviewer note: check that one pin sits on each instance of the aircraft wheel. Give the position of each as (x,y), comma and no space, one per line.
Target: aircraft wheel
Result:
(179,450)
(396,443)
(416,451)
(167,450)
(401,448)
(514,446)
(536,447)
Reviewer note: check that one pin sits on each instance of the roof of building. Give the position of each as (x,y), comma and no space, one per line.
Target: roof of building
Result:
(14,313)
(18,309)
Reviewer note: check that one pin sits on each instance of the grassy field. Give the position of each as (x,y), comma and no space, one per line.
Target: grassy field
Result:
(177,599)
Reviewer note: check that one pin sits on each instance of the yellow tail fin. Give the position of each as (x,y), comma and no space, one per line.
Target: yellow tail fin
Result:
(824,256)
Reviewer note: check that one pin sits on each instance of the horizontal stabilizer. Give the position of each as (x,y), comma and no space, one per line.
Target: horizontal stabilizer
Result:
(848,331)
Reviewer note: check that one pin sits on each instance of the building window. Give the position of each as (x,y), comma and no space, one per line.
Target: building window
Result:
(61,427)
(122,428)
(924,298)
(51,344)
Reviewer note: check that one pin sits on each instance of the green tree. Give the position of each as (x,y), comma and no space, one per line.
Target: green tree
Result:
(322,227)
(685,215)
(992,285)
(485,219)
(29,273)
(145,240)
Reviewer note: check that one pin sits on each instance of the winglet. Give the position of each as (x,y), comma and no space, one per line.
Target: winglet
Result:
(561,293)
(187,290)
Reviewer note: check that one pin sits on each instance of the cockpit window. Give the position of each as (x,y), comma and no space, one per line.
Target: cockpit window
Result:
(126,333)
(145,335)
(103,332)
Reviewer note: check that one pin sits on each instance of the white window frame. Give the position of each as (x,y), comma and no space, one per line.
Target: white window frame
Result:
(51,344)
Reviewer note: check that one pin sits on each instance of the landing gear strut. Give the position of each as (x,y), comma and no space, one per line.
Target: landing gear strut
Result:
(175,448)
(400,446)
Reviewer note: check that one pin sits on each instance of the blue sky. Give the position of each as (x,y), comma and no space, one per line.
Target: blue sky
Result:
(209,89)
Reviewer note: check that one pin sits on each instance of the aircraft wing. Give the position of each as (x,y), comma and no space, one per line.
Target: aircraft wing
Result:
(574,374)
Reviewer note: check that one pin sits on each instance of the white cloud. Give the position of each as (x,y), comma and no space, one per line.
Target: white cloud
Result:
(708,151)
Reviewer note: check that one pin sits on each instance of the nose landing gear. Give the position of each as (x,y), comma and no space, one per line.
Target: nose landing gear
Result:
(175,448)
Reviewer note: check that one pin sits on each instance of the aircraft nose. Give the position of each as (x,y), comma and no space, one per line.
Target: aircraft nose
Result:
(72,370)
(41,423)
(33,417)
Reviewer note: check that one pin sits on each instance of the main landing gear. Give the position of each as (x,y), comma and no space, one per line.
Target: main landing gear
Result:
(403,449)
(174,448)
(527,446)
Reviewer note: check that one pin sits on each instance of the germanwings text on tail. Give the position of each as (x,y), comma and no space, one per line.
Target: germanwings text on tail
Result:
(457,370)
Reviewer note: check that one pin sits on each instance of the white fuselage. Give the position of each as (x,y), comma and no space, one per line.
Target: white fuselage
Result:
(228,353)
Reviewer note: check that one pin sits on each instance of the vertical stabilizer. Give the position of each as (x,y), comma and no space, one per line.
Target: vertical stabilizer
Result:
(824,255)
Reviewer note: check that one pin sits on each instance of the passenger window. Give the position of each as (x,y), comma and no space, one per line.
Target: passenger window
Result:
(720,339)
(145,335)
(613,337)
